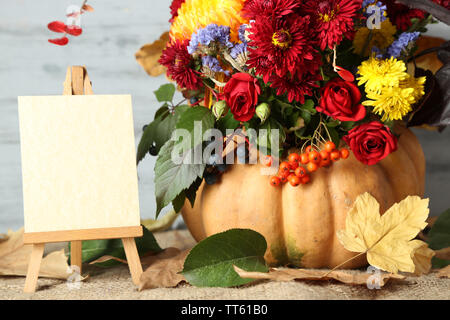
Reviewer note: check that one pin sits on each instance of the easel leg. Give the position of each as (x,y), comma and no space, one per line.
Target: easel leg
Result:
(33,268)
(133,259)
(75,254)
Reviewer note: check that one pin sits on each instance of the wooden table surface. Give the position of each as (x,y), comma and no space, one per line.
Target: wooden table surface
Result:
(111,35)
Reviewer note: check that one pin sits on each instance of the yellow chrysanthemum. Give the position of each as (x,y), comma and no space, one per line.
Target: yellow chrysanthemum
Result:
(378,73)
(391,90)
(417,84)
(365,39)
(392,102)
(196,14)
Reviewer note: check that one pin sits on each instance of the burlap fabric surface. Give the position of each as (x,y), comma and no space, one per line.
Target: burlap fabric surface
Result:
(115,283)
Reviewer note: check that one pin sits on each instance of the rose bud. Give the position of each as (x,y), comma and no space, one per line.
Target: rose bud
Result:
(263,111)
(220,109)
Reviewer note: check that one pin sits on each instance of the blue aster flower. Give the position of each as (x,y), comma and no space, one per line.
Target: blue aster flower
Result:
(378,53)
(213,64)
(402,43)
(238,49)
(212,33)
(241,31)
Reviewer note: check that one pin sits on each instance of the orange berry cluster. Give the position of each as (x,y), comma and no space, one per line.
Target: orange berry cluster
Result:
(295,170)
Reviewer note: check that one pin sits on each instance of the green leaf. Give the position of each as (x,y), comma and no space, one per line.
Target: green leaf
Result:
(333,123)
(265,141)
(94,249)
(191,192)
(178,202)
(173,178)
(210,262)
(309,106)
(439,237)
(306,116)
(188,121)
(165,93)
(146,141)
(227,122)
(347,125)
(159,131)
(334,135)
(439,263)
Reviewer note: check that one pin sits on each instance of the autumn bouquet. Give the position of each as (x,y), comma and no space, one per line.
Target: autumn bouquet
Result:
(293,86)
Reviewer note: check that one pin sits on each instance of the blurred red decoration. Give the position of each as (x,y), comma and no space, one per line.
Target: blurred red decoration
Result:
(345,74)
(57,26)
(59,41)
(71,29)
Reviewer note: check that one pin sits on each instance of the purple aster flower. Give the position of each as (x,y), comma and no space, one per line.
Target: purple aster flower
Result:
(213,64)
(238,49)
(242,29)
(382,7)
(212,33)
(378,53)
(403,43)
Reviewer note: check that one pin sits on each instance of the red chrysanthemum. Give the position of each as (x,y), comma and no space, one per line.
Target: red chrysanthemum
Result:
(176,4)
(269,8)
(401,15)
(280,46)
(296,87)
(179,65)
(332,19)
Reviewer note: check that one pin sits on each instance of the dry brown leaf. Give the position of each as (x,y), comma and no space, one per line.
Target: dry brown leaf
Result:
(3,237)
(107,258)
(443,254)
(423,235)
(163,270)
(428,61)
(181,239)
(286,274)
(15,256)
(162,224)
(149,54)
(444,272)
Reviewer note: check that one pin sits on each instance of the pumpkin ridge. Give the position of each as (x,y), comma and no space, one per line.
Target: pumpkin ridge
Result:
(284,247)
(331,206)
(416,156)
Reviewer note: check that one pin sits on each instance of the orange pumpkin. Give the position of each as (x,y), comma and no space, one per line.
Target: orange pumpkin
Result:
(300,223)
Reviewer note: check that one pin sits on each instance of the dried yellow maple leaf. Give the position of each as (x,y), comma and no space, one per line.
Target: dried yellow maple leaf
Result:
(386,239)
(421,256)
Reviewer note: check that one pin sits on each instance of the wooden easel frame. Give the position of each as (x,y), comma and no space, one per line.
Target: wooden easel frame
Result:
(77,83)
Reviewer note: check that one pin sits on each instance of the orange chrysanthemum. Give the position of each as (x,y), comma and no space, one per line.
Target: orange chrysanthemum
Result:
(196,14)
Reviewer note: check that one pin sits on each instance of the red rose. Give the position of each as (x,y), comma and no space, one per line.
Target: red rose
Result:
(241,94)
(371,142)
(340,100)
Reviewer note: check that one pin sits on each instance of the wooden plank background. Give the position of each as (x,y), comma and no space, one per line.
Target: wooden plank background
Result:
(29,65)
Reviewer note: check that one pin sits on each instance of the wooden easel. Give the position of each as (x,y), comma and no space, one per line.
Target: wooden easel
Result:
(77,83)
